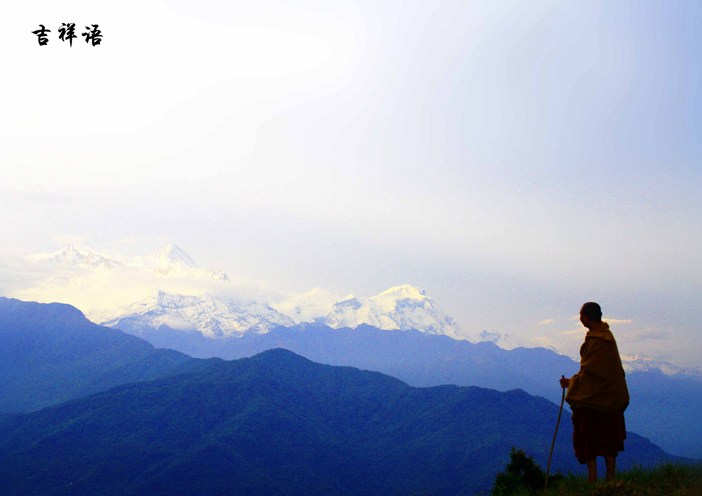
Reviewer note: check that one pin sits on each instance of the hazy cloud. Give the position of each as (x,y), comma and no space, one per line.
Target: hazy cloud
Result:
(357,144)
(612,321)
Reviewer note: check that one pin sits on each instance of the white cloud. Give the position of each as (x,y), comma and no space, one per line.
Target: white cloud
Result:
(97,282)
(612,321)
(357,143)
(307,306)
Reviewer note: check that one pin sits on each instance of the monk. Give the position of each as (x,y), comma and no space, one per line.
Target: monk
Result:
(598,396)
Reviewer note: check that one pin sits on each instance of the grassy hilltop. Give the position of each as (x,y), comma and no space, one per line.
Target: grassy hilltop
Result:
(522,477)
(669,480)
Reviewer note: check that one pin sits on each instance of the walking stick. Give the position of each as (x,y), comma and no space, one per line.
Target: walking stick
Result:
(553,443)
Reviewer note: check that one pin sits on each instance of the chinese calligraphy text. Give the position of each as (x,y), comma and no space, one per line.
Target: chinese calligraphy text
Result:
(67,32)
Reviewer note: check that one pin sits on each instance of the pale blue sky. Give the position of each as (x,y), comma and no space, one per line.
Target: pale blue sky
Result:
(514,159)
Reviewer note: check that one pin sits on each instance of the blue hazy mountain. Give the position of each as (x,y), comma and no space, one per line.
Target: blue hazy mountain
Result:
(278,423)
(50,353)
(663,408)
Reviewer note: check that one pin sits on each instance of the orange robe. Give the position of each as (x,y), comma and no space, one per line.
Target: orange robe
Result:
(598,396)
(600,384)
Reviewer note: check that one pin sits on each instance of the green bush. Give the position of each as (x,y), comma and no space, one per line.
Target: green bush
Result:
(522,476)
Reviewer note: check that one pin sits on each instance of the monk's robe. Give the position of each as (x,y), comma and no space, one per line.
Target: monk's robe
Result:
(598,396)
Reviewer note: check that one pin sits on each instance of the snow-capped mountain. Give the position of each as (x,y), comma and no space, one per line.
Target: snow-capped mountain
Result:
(72,257)
(638,363)
(504,341)
(209,315)
(100,283)
(172,261)
(400,307)
(172,255)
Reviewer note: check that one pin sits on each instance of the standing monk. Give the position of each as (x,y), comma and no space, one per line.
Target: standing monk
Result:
(598,396)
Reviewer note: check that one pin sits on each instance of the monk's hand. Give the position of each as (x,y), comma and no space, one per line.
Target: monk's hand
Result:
(565,382)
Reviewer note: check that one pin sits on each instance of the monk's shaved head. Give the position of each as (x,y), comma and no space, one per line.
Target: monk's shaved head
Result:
(592,311)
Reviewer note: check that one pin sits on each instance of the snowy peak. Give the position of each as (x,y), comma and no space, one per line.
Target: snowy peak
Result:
(164,300)
(171,255)
(71,256)
(173,261)
(403,291)
(400,307)
(638,363)
(504,341)
(213,317)
(170,261)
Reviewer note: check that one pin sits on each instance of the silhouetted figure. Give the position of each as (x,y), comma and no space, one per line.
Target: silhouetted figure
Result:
(598,396)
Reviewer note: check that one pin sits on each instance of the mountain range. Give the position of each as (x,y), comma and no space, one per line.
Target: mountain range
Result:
(51,353)
(663,407)
(398,308)
(210,316)
(173,290)
(204,303)
(278,423)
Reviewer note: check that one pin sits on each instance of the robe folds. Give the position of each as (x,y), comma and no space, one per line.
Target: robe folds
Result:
(597,433)
(600,383)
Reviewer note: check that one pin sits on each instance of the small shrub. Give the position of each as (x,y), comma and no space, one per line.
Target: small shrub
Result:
(522,476)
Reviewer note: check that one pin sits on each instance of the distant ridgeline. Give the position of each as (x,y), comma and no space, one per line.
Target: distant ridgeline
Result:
(663,408)
(274,423)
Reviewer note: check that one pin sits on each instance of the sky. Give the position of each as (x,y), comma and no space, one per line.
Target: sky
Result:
(512,159)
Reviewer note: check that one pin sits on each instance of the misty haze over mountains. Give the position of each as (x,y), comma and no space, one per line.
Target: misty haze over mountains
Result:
(170,260)
(111,287)
(209,307)
(664,408)
(401,332)
(148,421)
(387,215)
